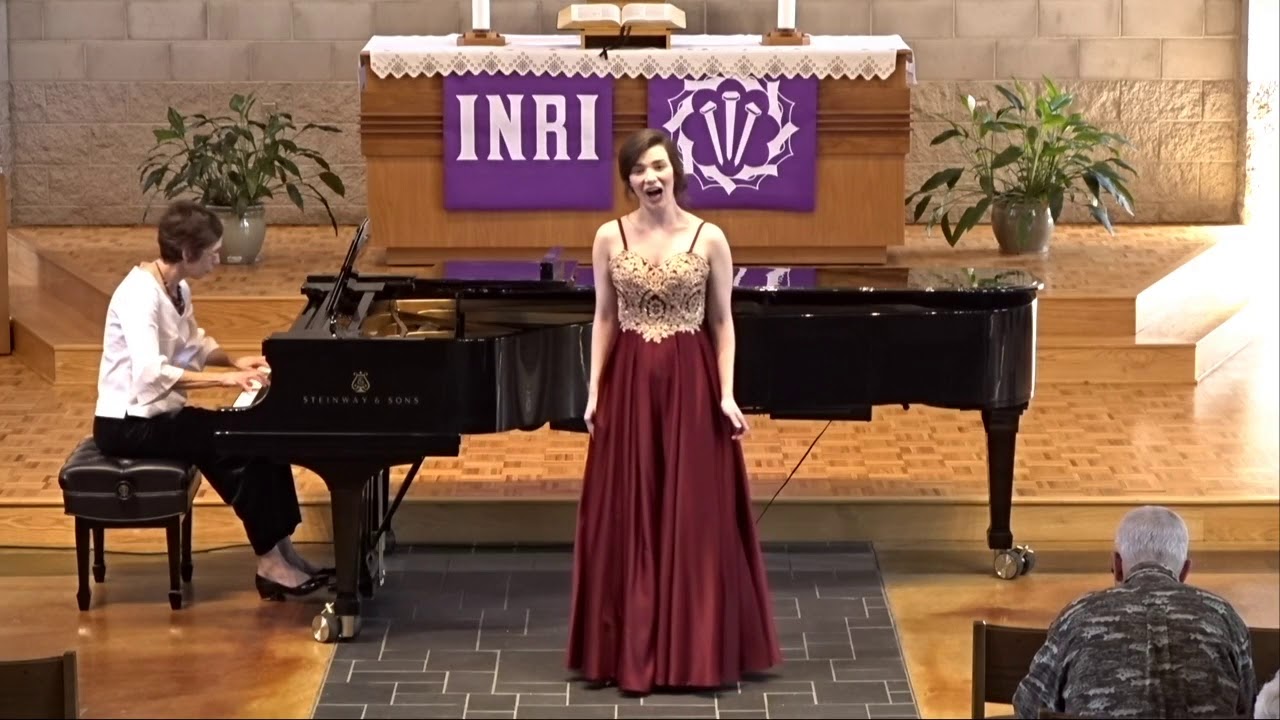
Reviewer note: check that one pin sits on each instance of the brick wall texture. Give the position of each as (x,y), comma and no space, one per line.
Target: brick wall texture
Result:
(89,79)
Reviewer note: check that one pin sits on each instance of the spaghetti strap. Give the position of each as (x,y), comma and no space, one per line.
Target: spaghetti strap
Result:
(696,233)
(623,233)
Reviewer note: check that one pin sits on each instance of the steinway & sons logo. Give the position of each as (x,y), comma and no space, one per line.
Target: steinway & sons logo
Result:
(361,394)
(360,383)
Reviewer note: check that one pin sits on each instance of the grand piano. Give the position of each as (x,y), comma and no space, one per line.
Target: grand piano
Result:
(380,371)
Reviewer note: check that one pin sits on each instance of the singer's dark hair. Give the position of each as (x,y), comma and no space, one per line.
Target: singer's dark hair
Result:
(636,145)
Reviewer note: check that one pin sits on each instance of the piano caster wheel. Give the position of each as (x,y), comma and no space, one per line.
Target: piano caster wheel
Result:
(328,627)
(1011,564)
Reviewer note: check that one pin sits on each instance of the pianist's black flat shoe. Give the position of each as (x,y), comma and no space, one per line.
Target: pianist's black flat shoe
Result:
(272,590)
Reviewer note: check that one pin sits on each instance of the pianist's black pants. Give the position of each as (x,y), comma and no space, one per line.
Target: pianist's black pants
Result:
(261,492)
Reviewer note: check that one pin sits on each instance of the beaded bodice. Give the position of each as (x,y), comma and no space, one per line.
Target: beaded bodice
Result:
(658,301)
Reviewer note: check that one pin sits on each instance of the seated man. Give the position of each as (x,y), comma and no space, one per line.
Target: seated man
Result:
(1150,647)
(152,352)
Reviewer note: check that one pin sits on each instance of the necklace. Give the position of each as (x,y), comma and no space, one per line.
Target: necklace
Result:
(175,295)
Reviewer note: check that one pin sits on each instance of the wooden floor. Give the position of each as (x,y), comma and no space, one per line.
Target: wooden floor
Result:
(1138,398)
(1186,414)
(230,655)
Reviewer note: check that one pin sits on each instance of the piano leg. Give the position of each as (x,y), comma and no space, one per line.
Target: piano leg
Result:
(347,482)
(373,568)
(1001,425)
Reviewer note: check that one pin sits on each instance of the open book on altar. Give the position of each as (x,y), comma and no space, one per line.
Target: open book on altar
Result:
(596,16)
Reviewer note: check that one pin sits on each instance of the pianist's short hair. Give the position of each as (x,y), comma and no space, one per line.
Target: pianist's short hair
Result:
(186,230)
(638,144)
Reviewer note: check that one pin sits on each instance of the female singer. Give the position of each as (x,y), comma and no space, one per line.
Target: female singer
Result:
(669,586)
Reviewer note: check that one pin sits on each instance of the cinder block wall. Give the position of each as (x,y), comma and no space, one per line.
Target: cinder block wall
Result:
(6,134)
(90,78)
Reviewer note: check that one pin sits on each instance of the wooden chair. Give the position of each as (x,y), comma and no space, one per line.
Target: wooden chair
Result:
(1266,653)
(39,687)
(1001,657)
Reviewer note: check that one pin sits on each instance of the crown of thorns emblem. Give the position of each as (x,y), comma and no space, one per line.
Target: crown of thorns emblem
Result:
(748,130)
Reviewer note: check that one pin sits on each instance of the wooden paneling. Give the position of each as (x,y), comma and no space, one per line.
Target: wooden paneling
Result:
(864,131)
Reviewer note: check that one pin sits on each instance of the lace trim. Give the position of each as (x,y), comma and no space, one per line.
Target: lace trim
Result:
(834,56)
(658,301)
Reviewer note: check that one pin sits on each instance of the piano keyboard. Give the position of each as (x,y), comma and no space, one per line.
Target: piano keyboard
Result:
(246,398)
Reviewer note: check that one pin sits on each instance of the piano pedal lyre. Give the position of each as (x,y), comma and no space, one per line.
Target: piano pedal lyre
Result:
(1015,562)
(328,627)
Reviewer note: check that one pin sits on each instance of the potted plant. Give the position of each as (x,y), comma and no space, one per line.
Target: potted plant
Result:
(1025,160)
(233,164)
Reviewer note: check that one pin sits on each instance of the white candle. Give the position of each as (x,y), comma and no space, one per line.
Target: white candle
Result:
(786,14)
(480,15)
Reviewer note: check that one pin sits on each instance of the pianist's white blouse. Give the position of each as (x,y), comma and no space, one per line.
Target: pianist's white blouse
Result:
(146,345)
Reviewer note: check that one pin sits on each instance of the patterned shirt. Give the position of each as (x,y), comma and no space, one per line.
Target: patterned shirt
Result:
(1149,647)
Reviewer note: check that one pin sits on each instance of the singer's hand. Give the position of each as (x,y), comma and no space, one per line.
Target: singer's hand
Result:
(729,407)
(589,415)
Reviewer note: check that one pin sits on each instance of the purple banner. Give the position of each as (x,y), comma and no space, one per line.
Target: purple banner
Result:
(528,142)
(746,143)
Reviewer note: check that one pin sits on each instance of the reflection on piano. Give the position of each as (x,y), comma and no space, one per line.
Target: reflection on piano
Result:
(384,370)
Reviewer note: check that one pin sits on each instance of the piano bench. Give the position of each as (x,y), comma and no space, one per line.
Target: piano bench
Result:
(103,492)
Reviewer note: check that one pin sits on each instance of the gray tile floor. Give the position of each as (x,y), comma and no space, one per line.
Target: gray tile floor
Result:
(481,632)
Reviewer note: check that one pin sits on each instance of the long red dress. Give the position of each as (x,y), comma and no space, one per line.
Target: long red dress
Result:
(669,586)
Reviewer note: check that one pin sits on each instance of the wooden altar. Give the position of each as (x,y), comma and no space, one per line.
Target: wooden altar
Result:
(864,134)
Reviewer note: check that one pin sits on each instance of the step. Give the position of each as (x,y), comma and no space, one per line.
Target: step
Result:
(232,319)
(1224,274)
(1176,350)
(53,338)
(459,518)
(59,344)
(56,276)
(1222,269)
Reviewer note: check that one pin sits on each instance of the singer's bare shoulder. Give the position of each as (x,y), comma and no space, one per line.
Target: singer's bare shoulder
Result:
(607,237)
(608,231)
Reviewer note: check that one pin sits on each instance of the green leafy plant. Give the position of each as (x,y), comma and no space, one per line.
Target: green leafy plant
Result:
(1035,150)
(237,161)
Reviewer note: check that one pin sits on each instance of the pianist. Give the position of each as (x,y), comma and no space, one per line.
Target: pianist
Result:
(153,352)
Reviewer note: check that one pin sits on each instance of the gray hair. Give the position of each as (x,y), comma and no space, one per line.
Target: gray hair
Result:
(1153,534)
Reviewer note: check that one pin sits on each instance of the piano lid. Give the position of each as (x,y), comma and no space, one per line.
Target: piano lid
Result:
(755,277)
